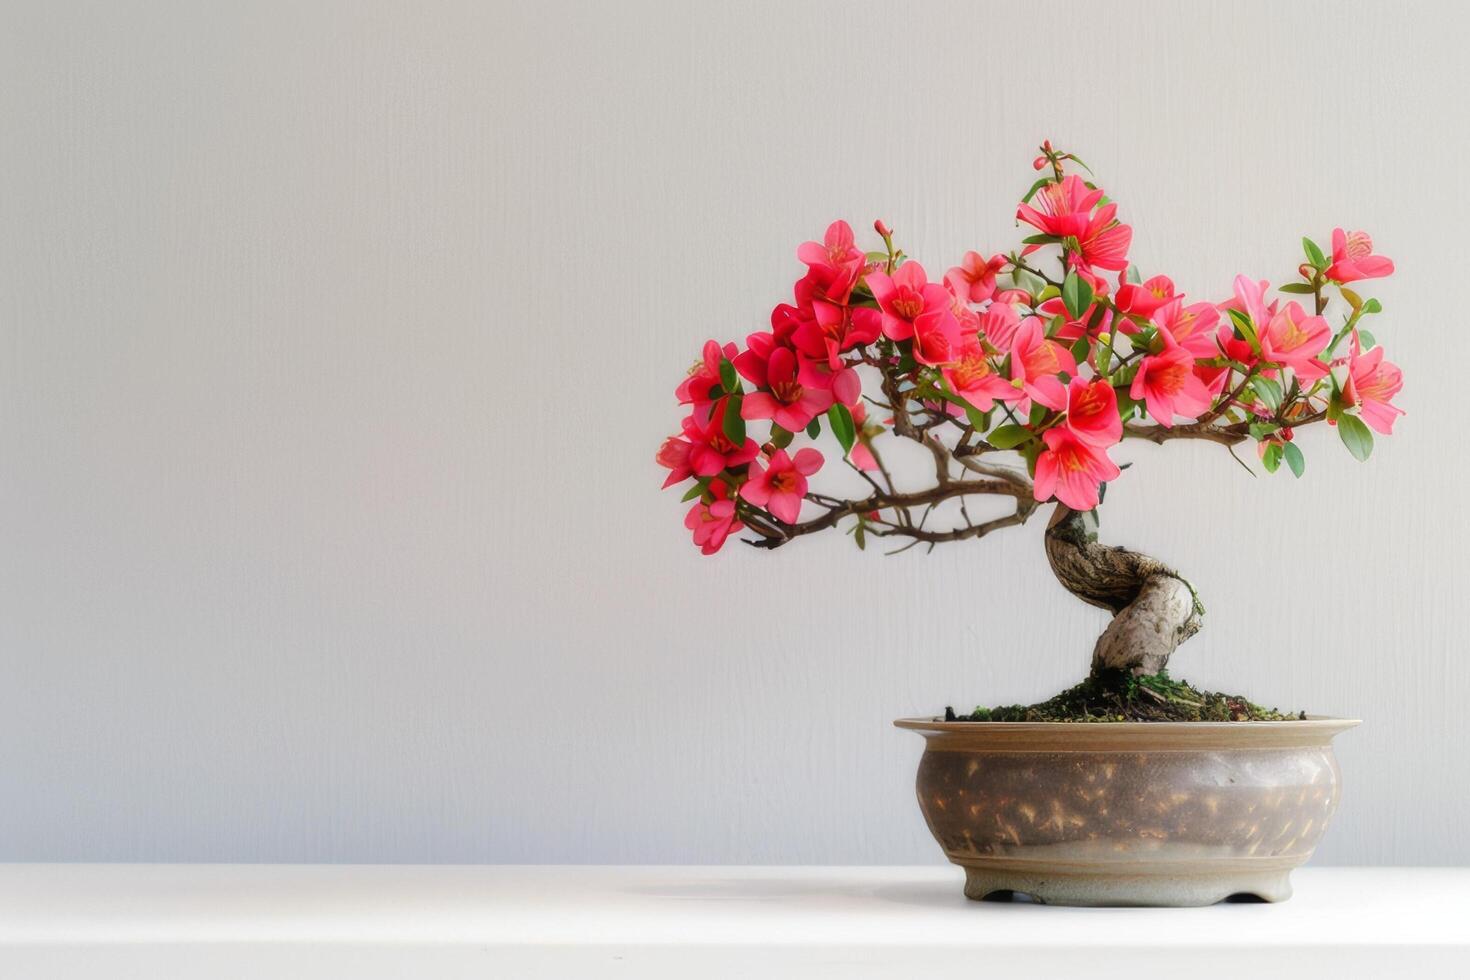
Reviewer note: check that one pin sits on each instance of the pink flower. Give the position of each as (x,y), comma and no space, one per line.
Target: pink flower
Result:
(936,337)
(1072,470)
(1250,299)
(861,455)
(972,378)
(780,487)
(1092,412)
(904,297)
(1371,383)
(713,522)
(785,400)
(1293,339)
(1191,327)
(1143,299)
(1167,383)
(1062,209)
(835,329)
(1036,362)
(974,278)
(998,325)
(1104,243)
(710,450)
(835,264)
(1353,258)
(674,455)
(702,386)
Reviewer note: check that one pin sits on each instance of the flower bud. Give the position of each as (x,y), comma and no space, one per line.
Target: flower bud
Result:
(1039,163)
(882,228)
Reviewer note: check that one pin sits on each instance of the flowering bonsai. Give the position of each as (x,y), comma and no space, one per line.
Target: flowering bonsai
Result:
(1018,374)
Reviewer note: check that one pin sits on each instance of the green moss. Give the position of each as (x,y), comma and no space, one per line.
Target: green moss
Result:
(1120,696)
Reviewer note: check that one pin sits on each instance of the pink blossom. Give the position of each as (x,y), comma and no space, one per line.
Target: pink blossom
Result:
(835,329)
(1353,258)
(904,297)
(835,263)
(1143,299)
(784,400)
(781,485)
(1104,244)
(710,450)
(1250,299)
(1072,470)
(1036,362)
(936,337)
(1191,327)
(974,278)
(998,324)
(702,386)
(861,455)
(1092,412)
(1293,339)
(674,455)
(714,521)
(1062,209)
(1167,383)
(971,377)
(1371,383)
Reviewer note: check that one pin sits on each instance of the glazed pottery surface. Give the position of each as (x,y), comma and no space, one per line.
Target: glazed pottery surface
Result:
(1128,813)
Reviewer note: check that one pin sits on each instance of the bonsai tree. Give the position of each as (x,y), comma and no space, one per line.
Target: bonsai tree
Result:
(1018,374)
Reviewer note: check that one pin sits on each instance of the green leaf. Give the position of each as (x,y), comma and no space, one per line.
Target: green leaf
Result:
(1269,390)
(1244,327)
(1294,459)
(1076,294)
(1080,348)
(1366,340)
(734,425)
(1372,306)
(814,429)
(1297,287)
(1132,275)
(1355,436)
(728,377)
(781,438)
(1028,281)
(1040,240)
(1038,412)
(694,491)
(979,421)
(1260,430)
(1271,458)
(1314,254)
(840,419)
(1008,436)
(859,536)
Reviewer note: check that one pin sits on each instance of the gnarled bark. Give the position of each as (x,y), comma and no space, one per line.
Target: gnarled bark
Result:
(1154,608)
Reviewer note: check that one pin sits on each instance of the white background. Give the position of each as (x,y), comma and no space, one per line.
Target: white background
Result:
(336,342)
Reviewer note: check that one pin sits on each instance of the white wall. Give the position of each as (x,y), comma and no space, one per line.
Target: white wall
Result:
(336,342)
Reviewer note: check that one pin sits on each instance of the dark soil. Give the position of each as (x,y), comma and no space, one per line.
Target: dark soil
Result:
(1120,696)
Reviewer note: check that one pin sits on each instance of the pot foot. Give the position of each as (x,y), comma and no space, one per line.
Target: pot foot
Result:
(1122,888)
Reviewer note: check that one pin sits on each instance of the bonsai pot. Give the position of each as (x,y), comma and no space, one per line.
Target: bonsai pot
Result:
(1128,813)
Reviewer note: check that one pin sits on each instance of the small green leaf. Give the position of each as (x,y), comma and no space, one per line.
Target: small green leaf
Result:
(860,537)
(1269,390)
(1244,327)
(1260,430)
(734,425)
(1034,188)
(728,377)
(1081,348)
(1372,306)
(1132,275)
(1355,436)
(1028,281)
(781,438)
(840,419)
(1297,287)
(979,421)
(1038,412)
(1040,240)
(1366,340)
(1076,294)
(814,429)
(1295,459)
(1271,458)
(1314,254)
(694,491)
(1008,436)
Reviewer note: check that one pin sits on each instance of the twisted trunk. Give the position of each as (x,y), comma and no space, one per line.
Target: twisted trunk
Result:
(1154,608)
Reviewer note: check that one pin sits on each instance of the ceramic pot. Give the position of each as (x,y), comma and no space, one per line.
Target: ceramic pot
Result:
(1128,813)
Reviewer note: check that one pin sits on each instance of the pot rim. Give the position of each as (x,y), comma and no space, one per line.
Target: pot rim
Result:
(1063,736)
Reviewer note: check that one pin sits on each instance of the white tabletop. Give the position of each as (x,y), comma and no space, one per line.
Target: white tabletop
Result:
(366,922)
